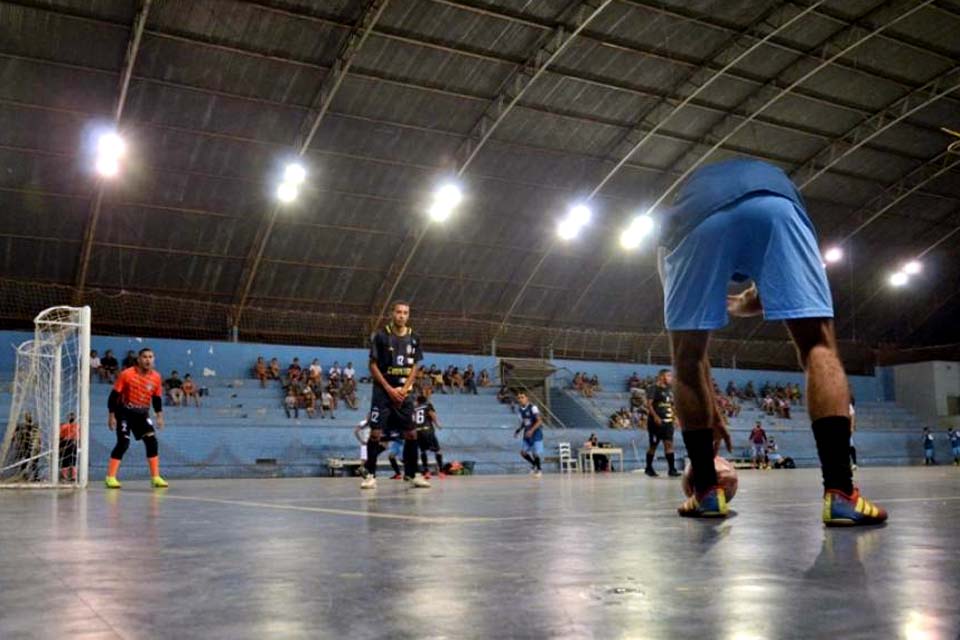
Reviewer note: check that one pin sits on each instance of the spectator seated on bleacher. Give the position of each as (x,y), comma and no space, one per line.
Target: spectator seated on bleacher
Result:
(130,360)
(328,403)
(620,419)
(484,378)
(96,368)
(748,392)
(291,403)
(348,393)
(470,380)
(456,379)
(110,366)
(273,371)
(190,391)
(315,372)
(260,371)
(174,388)
(633,382)
(294,371)
(309,400)
(504,396)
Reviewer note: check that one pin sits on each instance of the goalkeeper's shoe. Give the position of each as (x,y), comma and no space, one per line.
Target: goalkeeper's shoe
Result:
(712,504)
(158,483)
(842,510)
(111,482)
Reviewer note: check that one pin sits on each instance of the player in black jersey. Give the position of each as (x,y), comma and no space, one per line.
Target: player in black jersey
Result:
(660,424)
(395,352)
(425,417)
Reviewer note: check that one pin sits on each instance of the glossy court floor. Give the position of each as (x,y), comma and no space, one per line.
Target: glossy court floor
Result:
(479,557)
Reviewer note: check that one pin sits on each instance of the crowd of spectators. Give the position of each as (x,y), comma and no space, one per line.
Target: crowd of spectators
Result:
(320,392)
(586,384)
(310,388)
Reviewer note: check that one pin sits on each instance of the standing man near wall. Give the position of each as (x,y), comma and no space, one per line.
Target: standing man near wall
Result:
(738,220)
(395,353)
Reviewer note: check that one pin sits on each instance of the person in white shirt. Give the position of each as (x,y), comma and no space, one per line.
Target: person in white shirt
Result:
(349,372)
(335,371)
(95,367)
(316,370)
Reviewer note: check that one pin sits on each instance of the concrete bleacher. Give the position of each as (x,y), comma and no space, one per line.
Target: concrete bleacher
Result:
(241,430)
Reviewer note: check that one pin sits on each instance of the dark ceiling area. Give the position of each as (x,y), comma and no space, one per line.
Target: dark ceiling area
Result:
(532,105)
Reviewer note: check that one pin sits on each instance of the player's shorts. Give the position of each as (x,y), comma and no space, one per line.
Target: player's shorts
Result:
(956,452)
(658,433)
(928,453)
(395,447)
(386,416)
(133,423)
(532,447)
(762,237)
(427,440)
(68,452)
(758,450)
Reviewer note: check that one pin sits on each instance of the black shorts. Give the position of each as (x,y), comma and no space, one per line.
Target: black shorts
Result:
(133,423)
(427,440)
(659,433)
(388,417)
(68,453)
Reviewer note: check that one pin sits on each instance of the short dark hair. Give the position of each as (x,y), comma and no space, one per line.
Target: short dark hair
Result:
(397,303)
(662,371)
(143,351)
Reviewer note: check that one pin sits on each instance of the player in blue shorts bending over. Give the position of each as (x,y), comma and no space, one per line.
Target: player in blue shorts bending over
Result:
(739,220)
(531,448)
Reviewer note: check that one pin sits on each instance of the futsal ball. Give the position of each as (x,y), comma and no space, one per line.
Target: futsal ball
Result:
(726,477)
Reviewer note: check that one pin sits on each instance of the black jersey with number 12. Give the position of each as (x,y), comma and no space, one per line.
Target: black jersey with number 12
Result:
(395,355)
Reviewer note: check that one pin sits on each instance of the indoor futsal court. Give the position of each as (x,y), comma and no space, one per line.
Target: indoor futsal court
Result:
(479,319)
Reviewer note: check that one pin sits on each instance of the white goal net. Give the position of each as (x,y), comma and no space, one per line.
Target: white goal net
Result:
(46,441)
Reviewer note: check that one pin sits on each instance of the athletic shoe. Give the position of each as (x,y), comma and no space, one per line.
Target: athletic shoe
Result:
(712,504)
(426,474)
(112,482)
(419,482)
(538,473)
(396,476)
(441,475)
(673,473)
(842,510)
(158,483)
(370,482)
(853,467)
(650,472)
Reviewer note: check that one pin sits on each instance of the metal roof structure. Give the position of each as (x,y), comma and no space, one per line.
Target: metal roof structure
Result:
(533,105)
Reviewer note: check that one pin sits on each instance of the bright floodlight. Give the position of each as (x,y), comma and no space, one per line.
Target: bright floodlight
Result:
(630,239)
(568,230)
(111,145)
(294,174)
(439,213)
(899,279)
(580,215)
(108,166)
(287,192)
(448,195)
(912,268)
(833,254)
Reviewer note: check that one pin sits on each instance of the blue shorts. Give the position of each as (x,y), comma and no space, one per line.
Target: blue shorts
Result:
(534,448)
(395,447)
(764,237)
(956,452)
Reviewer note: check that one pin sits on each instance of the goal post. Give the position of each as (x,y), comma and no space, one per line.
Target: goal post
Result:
(47,441)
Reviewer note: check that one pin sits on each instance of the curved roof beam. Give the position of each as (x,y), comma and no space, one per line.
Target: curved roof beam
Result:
(90,230)
(837,46)
(735,50)
(840,148)
(514,87)
(328,90)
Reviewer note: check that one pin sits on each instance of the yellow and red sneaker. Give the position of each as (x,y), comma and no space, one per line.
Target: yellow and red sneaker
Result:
(842,510)
(712,504)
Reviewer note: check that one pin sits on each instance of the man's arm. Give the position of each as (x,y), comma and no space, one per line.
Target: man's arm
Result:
(434,418)
(651,412)
(394,394)
(158,408)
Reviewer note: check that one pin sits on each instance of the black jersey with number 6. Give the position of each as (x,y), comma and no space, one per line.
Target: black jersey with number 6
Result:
(423,417)
(662,401)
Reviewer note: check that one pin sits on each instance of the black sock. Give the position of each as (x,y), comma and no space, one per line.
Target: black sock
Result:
(439,457)
(536,462)
(833,446)
(528,458)
(699,445)
(373,450)
(649,461)
(410,451)
(395,465)
(423,461)
(671,461)
(853,454)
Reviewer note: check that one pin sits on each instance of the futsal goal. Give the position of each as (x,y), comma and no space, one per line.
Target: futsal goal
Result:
(46,441)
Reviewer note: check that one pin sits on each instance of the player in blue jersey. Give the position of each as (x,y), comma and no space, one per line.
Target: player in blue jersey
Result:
(743,220)
(531,448)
